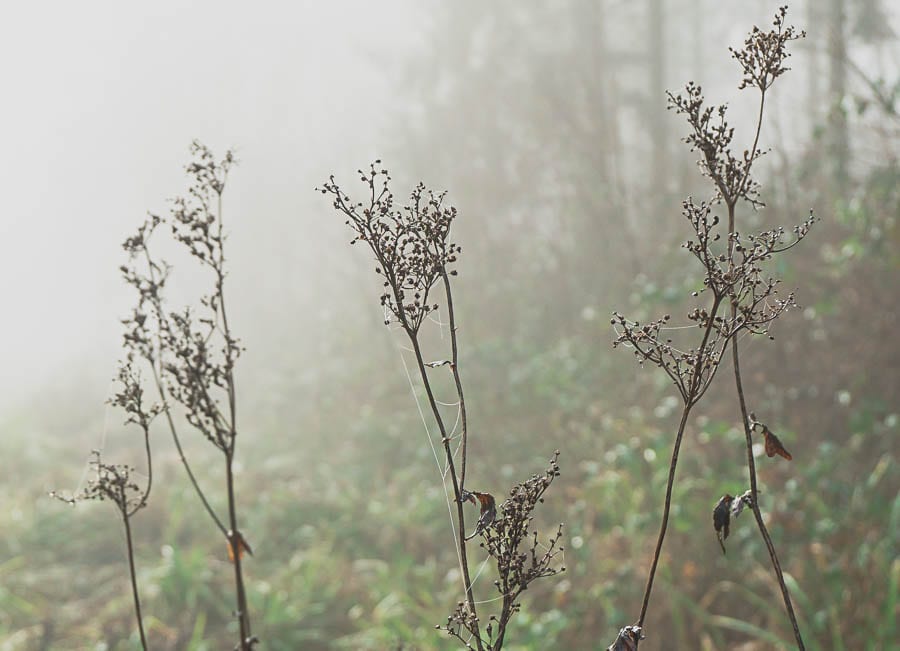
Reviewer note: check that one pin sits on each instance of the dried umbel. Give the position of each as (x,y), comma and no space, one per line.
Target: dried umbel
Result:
(762,62)
(512,542)
(411,243)
(764,53)
(111,483)
(734,275)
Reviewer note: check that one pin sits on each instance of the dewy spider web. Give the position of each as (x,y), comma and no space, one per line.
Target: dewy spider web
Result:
(443,472)
(102,446)
(437,461)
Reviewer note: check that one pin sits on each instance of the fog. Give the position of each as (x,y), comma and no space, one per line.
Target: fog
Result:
(103,100)
(101,103)
(546,123)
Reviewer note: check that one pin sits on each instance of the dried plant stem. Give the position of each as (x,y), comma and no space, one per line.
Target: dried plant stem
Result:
(413,251)
(695,391)
(235,538)
(126,519)
(183,370)
(143,501)
(459,390)
(748,293)
(160,388)
(233,535)
(745,416)
(235,541)
(751,467)
(184,462)
(665,517)
(187,370)
(457,492)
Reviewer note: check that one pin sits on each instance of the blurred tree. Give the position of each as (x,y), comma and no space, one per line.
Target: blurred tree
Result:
(812,65)
(527,92)
(659,136)
(838,138)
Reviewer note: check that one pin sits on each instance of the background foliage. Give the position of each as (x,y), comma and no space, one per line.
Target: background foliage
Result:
(546,123)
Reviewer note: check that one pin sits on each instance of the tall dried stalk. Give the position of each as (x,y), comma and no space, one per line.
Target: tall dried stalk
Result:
(114,483)
(192,353)
(743,298)
(413,252)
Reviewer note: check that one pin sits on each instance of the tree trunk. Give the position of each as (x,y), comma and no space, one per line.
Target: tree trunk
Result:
(838,138)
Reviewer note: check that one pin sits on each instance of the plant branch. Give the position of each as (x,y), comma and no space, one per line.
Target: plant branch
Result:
(235,540)
(182,456)
(126,519)
(413,251)
(454,367)
(745,417)
(457,492)
(735,275)
(689,401)
(234,536)
(751,467)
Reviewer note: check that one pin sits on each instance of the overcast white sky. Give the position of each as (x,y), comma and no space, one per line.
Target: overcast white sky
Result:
(100,102)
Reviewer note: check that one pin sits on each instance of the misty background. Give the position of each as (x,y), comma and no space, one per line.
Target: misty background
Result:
(546,123)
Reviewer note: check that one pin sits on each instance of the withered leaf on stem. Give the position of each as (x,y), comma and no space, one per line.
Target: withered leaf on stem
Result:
(774,445)
(488,510)
(627,639)
(722,519)
(237,541)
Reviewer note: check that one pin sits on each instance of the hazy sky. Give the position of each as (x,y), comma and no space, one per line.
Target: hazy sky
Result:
(101,100)
(100,103)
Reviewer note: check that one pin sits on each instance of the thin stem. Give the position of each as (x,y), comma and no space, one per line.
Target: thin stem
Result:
(220,289)
(181,455)
(460,515)
(690,401)
(235,539)
(507,611)
(236,549)
(742,188)
(665,518)
(160,315)
(739,385)
(126,518)
(751,466)
(143,501)
(459,390)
